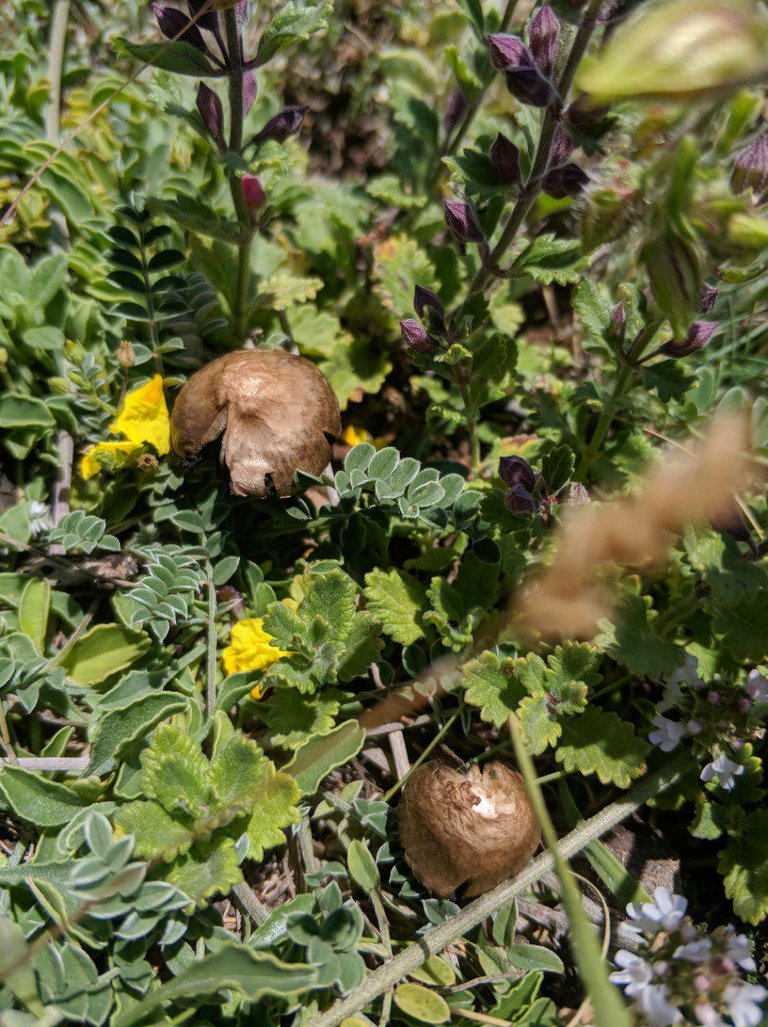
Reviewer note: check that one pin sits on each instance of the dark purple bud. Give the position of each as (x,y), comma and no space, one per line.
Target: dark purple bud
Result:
(697,338)
(569,180)
(211,111)
(455,109)
(253,191)
(750,168)
(519,501)
(583,115)
(619,321)
(527,84)
(744,704)
(462,222)
(208,21)
(543,33)
(415,336)
(714,698)
(574,494)
(175,24)
(425,298)
(513,470)
(562,146)
(286,123)
(250,89)
(708,298)
(507,51)
(505,158)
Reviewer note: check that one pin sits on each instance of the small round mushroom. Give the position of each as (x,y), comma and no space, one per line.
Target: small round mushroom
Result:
(477,828)
(277,411)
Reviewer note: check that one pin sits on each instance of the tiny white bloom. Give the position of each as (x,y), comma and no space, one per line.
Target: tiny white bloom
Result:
(39,517)
(725,770)
(744,1002)
(635,973)
(739,949)
(707,1015)
(655,1006)
(694,951)
(757,686)
(664,913)
(667,733)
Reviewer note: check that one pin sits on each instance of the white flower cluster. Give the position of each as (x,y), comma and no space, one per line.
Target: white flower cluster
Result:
(682,977)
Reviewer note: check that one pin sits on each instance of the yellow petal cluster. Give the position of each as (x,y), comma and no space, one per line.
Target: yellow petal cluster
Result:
(249,649)
(143,418)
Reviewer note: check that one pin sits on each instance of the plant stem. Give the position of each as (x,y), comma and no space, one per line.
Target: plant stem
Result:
(236,115)
(470,415)
(56,46)
(210,664)
(472,915)
(438,737)
(532,187)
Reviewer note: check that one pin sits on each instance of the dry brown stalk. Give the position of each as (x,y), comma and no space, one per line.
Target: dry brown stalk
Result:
(568,598)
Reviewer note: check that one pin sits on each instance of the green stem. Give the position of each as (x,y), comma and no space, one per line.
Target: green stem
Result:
(470,416)
(236,117)
(472,915)
(56,47)
(210,675)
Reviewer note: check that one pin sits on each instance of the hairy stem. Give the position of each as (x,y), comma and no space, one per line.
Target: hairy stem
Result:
(56,46)
(210,663)
(532,187)
(472,915)
(236,116)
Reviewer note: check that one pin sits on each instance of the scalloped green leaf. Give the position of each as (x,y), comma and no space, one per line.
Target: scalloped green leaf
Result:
(601,743)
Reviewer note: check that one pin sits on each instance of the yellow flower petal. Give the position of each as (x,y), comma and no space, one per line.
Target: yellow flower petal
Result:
(90,465)
(249,648)
(143,417)
(353,435)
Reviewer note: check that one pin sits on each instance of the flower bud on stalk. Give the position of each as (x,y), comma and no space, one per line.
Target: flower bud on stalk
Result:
(505,158)
(514,470)
(253,191)
(543,33)
(462,222)
(126,355)
(750,168)
(507,51)
(173,24)
(562,146)
(211,111)
(697,338)
(674,270)
(250,90)
(455,109)
(208,21)
(527,84)
(416,337)
(618,322)
(285,124)
(708,298)
(568,180)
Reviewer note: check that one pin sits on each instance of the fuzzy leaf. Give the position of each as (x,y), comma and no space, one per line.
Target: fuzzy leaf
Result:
(278,795)
(206,870)
(294,719)
(320,756)
(744,863)
(103,651)
(238,774)
(158,834)
(36,799)
(492,685)
(175,772)
(396,599)
(549,259)
(600,743)
(633,642)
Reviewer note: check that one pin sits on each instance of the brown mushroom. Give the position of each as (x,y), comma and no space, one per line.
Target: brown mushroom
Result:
(477,828)
(277,411)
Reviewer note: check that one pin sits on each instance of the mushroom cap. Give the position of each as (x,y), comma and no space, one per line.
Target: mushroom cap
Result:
(477,828)
(276,411)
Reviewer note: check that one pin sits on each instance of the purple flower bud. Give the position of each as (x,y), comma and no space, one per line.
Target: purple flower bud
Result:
(507,51)
(527,84)
(505,158)
(208,21)
(253,191)
(425,298)
(415,336)
(462,222)
(744,704)
(562,146)
(574,494)
(175,24)
(708,298)
(619,321)
(513,470)
(455,108)
(698,336)
(211,111)
(543,33)
(519,501)
(250,89)
(737,744)
(286,123)
(750,168)
(569,180)
(713,698)
(694,727)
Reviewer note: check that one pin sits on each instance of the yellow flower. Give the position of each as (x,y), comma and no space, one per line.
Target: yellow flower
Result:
(91,465)
(250,649)
(142,418)
(354,435)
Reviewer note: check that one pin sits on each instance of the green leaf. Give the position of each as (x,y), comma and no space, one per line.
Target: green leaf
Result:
(491,684)
(158,834)
(633,642)
(294,719)
(668,379)
(37,800)
(534,957)
(234,967)
(396,599)
(119,728)
(175,772)
(103,651)
(320,756)
(548,259)
(744,864)
(276,809)
(205,870)
(179,57)
(423,1005)
(34,606)
(362,866)
(238,774)
(744,628)
(600,743)
(557,468)
(17,411)
(291,25)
